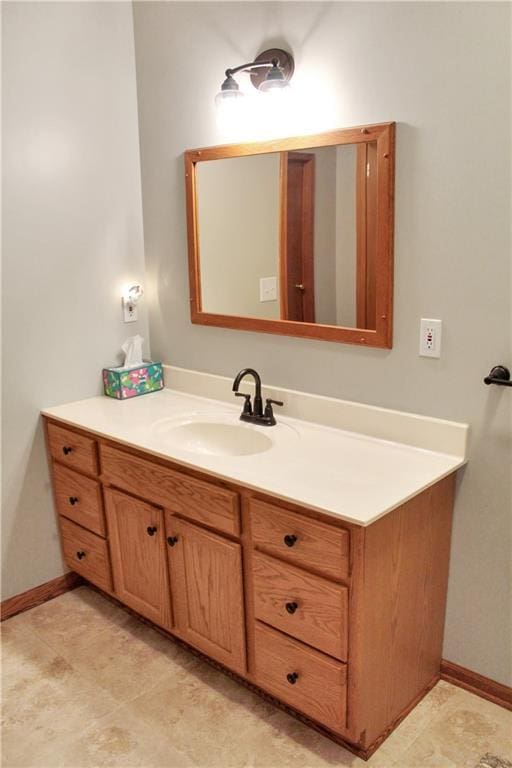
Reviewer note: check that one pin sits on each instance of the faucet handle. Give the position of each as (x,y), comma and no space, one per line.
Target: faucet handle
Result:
(247,404)
(269,413)
(271,402)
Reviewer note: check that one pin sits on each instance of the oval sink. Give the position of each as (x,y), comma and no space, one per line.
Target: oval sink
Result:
(218,439)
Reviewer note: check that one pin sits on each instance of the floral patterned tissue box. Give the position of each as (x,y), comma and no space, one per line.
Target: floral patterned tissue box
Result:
(123,383)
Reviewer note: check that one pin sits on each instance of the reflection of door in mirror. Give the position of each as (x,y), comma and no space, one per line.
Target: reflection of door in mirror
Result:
(328,235)
(297,216)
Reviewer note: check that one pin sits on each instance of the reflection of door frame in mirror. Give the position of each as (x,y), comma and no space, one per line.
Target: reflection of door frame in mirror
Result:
(384,136)
(296,266)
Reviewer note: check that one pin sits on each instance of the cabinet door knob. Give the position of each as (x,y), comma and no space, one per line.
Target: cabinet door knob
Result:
(80,554)
(290,539)
(292,677)
(291,607)
(151,529)
(66,449)
(73,500)
(172,540)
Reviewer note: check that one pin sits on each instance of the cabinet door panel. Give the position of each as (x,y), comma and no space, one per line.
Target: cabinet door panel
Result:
(206,578)
(137,545)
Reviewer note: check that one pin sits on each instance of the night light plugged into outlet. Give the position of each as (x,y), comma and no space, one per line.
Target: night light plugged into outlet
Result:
(131,296)
(430,337)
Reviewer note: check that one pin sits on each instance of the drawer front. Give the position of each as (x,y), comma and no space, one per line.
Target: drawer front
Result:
(79,498)
(302,605)
(307,680)
(86,553)
(299,540)
(200,501)
(73,449)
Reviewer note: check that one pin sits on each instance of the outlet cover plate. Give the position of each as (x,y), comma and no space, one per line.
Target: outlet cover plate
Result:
(268,288)
(430,337)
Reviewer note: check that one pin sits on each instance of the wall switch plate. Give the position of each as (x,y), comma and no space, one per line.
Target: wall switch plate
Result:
(430,337)
(129,311)
(268,288)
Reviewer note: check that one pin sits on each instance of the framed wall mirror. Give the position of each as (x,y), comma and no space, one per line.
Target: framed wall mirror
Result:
(295,236)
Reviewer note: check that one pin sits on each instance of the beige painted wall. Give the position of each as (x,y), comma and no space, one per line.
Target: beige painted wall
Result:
(369,62)
(72,236)
(238,227)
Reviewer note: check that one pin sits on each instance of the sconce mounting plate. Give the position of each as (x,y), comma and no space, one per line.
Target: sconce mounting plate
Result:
(286,64)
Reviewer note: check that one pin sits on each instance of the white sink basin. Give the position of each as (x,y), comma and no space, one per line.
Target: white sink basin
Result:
(216,438)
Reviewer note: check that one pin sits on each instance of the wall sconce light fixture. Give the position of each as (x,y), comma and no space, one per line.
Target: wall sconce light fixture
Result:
(270,73)
(132,294)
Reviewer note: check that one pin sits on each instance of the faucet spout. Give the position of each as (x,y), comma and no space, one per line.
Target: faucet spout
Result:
(258,402)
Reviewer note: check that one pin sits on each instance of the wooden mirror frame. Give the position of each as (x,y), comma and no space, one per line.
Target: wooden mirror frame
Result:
(384,135)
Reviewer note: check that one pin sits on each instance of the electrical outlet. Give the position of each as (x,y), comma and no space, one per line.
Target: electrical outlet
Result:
(430,337)
(268,288)
(129,311)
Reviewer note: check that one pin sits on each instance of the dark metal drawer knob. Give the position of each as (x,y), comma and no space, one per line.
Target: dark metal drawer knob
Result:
(66,449)
(151,529)
(290,539)
(172,540)
(80,554)
(291,607)
(73,500)
(292,677)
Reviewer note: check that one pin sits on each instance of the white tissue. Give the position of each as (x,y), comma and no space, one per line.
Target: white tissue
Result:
(132,349)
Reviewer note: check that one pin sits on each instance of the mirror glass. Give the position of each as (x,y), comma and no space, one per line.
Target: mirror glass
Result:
(294,236)
(290,235)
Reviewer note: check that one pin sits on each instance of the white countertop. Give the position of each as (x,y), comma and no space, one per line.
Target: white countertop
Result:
(352,476)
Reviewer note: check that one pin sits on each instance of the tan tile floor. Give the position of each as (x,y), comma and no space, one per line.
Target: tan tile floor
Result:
(85,684)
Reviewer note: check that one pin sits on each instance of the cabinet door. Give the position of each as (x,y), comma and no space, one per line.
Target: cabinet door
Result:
(137,548)
(206,579)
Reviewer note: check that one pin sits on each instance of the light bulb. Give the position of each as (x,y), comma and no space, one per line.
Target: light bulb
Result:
(229,107)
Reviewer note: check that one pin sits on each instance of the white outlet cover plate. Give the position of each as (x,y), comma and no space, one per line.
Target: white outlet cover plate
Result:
(129,312)
(430,337)
(268,288)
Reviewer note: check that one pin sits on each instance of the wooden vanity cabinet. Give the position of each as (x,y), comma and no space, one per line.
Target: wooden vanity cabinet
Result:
(341,623)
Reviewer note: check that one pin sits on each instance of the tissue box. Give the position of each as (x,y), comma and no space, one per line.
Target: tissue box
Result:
(123,383)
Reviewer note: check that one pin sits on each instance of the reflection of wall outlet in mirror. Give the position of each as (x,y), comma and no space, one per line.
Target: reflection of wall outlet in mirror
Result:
(268,288)
(430,337)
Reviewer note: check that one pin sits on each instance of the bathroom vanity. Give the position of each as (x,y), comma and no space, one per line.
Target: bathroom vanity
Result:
(314,569)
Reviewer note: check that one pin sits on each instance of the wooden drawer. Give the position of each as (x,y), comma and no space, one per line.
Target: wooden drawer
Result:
(86,553)
(302,541)
(73,449)
(319,687)
(302,605)
(79,498)
(203,502)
